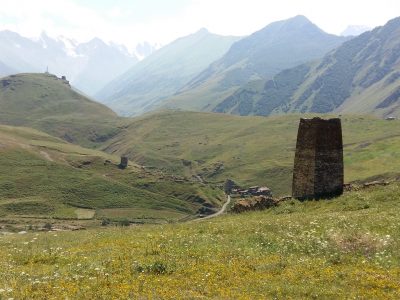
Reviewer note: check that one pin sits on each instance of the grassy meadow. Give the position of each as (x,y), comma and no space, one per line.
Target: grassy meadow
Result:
(251,150)
(343,248)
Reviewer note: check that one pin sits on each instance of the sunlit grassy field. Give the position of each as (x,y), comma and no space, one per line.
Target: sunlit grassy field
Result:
(344,248)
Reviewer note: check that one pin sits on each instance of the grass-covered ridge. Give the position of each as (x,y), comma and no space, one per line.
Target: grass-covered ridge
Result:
(251,150)
(186,156)
(341,248)
(49,104)
(45,179)
(212,147)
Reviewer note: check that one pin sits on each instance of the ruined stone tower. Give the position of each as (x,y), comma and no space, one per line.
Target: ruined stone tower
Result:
(124,162)
(318,163)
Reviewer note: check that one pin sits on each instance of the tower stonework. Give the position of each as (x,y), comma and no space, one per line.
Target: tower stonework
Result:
(124,162)
(318,164)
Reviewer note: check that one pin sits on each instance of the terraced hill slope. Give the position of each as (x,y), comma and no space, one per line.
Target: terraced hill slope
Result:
(45,179)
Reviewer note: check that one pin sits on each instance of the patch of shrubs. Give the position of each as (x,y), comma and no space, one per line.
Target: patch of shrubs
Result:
(105,222)
(157,268)
(48,226)
(124,222)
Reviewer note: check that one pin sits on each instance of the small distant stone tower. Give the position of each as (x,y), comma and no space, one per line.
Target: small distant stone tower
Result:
(228,186)
(124,162)
(318,164)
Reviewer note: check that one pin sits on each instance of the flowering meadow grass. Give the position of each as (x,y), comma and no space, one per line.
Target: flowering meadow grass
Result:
(346,247)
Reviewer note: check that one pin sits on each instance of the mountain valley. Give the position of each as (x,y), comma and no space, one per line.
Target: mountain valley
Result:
(256,166)
(147,84)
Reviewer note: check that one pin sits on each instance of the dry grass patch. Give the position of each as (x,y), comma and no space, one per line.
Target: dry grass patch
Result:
(358,242)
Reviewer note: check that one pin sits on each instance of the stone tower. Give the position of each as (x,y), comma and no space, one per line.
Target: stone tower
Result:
(124,162)
(318,162)
(228,186)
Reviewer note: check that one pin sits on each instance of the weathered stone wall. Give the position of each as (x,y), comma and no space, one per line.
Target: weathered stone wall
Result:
(318,164)
(254,203)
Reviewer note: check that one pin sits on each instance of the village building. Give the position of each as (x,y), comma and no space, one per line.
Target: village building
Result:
(252,191)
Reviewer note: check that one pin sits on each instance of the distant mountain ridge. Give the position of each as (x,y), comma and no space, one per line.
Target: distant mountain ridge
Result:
(278,46)
(89,66)
(361,76)
(163,73)
(144,49)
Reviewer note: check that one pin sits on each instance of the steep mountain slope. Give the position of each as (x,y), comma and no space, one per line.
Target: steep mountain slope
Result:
(43,178)
(276,47)
(164,72)
(361,76)
(89,66)
(250,150)
(48,103)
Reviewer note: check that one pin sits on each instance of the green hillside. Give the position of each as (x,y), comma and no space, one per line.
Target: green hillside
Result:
(251,150)
(45,179)
(163,73)
(361,76)
(182,156)
(344,248)
(278,46)
(47,103)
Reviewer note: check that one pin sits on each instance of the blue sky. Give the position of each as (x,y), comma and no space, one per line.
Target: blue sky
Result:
(161,21)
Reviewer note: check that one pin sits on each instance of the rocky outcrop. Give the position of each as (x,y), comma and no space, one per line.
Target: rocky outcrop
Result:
(254,203)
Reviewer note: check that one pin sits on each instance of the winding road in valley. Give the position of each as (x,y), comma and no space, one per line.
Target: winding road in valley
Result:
(218,213)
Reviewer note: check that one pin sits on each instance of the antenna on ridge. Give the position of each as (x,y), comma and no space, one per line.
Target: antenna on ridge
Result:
(47,70)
